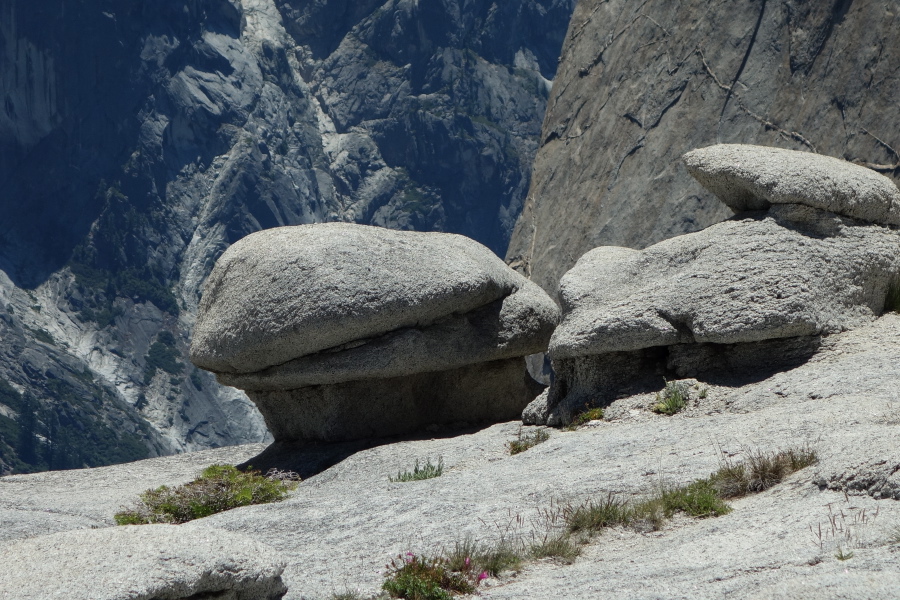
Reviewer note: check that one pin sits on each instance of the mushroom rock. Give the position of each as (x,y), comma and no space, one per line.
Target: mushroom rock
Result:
(341,332)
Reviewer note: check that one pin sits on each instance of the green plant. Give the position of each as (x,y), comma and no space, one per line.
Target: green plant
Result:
(589,414)
(422,578)
(760,470)
(842,554)
(219,488)
(530,440)
(672,399)
(554,545)
(704,392)
(493,559)
(697,499)
(428,471)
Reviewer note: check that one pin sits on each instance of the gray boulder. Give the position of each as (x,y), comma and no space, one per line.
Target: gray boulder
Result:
(747,177)
(158,562)
(794,271)
(335,304)
(753,293)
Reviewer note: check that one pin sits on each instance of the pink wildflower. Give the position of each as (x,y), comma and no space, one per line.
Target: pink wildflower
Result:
(482,576)
(467,561)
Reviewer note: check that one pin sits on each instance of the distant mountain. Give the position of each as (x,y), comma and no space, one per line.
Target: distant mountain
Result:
(139,139)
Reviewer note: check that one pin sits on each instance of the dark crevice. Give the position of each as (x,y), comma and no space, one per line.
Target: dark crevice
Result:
(740,70)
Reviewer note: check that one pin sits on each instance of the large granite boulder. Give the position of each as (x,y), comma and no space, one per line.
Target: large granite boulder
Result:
(147,562)
(288,310)
(737,292)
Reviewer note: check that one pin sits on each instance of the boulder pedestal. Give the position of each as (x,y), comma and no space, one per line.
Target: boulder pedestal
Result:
(488,392)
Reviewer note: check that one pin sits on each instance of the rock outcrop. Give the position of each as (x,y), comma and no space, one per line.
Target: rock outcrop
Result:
(149,562)
(341,331)
(792,272)
(640,84)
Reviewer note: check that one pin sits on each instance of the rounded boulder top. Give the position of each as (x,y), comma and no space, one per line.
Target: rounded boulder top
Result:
(287,292)
(747,177)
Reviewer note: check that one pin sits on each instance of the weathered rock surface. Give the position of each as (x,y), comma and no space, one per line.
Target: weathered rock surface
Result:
(151,562)
(339,527)
(290,292)
(341,332)
(747,177)
(793,271)
(640,84)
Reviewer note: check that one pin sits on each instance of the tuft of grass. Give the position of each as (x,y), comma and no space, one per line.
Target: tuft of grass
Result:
(555,545)
(697,499)
(468,555)
(894,535)
(530,440)
(591,414)
(760,471)
(672,399)
(422,578)
(594,516)
(428,471)
(843,554)
(701,498)
(219,488)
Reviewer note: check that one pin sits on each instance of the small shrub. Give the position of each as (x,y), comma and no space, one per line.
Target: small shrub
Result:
(530,440)
(420,578)
(672,399)
(219,488)
(429,471)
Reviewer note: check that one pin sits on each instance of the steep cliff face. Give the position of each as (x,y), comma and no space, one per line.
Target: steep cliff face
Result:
(138,140)
(642,83)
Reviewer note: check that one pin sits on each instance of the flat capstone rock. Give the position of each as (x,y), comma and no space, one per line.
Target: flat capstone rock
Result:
(143,562)
(747,177)
(327,303)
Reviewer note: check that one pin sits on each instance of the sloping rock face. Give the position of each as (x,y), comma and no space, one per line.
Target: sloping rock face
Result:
(337,530)
(136,145)
(151,562)
(417,328)
(640,84)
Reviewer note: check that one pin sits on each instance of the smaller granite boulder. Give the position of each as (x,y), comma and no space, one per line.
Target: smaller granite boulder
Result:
(742,292)
(793,272)
(146,562)
(749,177)
(341,331)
